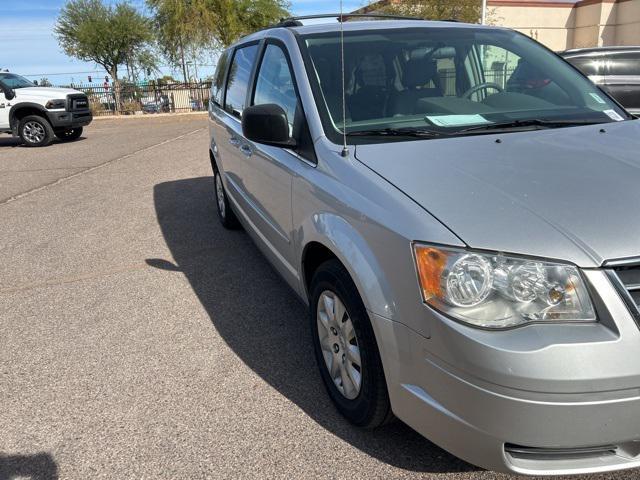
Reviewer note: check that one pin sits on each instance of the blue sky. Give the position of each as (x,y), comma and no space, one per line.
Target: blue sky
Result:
(28,46)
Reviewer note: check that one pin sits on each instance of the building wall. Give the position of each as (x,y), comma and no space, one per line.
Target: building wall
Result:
(561,25)
(628,23)
(551,25)
(564,24)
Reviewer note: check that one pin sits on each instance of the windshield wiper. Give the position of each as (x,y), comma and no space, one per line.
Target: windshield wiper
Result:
(534,122)
(398,132)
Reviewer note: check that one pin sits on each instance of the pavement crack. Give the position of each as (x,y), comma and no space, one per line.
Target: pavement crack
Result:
(95,167)
(73,279)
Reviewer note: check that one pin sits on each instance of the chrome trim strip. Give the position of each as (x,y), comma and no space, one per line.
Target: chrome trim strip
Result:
(623,262)
(624,295)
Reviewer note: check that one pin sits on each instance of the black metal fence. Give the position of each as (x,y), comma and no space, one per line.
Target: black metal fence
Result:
(146,97)
(153,97)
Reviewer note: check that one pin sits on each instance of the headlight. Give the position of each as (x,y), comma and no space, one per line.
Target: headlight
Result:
(500,291)
(56,104)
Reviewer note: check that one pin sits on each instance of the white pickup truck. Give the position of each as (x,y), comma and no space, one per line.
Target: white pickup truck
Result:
(37,114)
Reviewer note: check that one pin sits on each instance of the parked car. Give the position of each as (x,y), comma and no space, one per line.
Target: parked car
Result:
(614,69)
(469,250)
(151,104)
(37,114)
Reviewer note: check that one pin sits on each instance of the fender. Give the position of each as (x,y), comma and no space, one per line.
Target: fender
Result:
(346,243)
(19,106)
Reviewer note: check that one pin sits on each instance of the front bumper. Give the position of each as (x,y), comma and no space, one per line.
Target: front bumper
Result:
(563,408)
(66,119)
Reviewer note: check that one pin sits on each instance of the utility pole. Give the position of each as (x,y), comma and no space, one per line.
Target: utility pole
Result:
(484,12)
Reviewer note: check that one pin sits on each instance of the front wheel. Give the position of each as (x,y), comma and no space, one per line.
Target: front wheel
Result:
(69,134)
(346,349)
(35,131)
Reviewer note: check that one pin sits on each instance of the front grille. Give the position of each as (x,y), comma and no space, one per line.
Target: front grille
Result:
(625,276)
(78,102)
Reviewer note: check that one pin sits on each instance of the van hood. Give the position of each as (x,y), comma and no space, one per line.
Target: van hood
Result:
(567,193)
(45,92)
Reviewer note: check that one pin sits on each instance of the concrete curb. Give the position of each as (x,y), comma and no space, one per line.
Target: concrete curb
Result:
(149,115)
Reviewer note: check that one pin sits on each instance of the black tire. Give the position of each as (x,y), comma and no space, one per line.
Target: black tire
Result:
(226,214)
(35,131)
(371,407)
(69,134)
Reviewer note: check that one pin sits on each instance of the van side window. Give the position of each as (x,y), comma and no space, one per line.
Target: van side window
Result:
(275,83)
(217,87)
(238,81)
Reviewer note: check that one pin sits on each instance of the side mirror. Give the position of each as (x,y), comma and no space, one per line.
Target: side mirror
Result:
(267,124)
(9,93)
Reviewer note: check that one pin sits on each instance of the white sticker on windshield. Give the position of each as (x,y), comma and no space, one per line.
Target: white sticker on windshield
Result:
(457,120)
(597,98)
(613,115)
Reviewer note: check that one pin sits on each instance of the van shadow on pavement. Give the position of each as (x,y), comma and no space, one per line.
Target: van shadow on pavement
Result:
(265,324)
(40,466)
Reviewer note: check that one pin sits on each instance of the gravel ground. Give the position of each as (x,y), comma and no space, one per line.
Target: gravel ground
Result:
(138,339)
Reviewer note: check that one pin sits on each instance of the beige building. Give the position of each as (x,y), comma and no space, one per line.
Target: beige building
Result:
(565,24)
(562,24)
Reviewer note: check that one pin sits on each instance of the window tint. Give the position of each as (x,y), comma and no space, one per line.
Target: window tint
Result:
(588,65)
(624,64)
(15,81)
(239,79)
(275,82)
(217,87)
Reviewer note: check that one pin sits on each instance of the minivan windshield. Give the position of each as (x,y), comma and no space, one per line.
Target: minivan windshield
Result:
(439,81)
(14,81)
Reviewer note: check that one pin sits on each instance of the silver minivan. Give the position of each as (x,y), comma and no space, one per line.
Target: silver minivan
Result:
(460,209)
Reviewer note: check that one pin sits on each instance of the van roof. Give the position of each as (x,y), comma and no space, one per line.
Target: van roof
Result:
(360,25)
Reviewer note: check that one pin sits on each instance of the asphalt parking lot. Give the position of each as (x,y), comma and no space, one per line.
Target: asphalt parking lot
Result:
(138,339)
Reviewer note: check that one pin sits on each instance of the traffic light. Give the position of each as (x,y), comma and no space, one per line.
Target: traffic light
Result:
(90,80)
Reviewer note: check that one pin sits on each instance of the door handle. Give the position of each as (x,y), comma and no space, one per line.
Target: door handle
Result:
(246,150)
(235,141)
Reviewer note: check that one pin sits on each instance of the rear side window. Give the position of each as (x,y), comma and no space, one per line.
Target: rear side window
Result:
(588,65)
(624,64)
(238,81)
(275,83)
(217,87)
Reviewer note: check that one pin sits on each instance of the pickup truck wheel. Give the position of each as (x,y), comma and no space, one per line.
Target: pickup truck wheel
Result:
(35,131)
(226,215)
(68,134)
(346,348)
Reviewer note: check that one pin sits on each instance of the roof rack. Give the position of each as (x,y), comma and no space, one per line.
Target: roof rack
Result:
(297,21)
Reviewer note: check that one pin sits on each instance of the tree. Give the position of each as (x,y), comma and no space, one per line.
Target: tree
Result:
(187,27)
(107,35)
(461,10)
(44,82)
(179,29)
(227,20)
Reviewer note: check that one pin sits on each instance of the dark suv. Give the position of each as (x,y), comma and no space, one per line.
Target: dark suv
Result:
(615,69)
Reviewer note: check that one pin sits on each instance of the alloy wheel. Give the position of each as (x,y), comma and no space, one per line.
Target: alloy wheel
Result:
(339,344)
(34,132)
